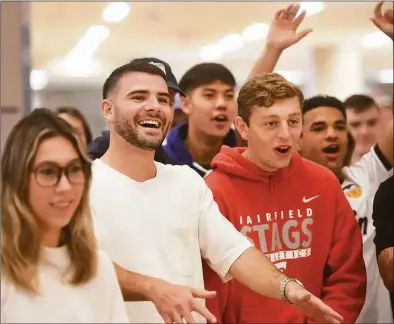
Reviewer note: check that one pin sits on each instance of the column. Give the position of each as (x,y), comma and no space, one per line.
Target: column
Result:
(15,65)
(337,71)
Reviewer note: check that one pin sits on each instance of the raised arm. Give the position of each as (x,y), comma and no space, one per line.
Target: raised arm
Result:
(385,142)
(282,34)
(384,21)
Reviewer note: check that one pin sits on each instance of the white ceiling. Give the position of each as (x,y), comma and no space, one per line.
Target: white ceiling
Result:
(176,31)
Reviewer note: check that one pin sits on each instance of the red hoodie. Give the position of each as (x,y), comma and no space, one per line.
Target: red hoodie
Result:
(300,218)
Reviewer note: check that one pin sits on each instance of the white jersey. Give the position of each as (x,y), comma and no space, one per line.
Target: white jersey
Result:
(361,183)
(161,228)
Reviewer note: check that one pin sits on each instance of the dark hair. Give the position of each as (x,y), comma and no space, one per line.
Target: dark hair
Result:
(133,66)
(206,73)
(360,103)
(323,101)
(263,91)
(74,112)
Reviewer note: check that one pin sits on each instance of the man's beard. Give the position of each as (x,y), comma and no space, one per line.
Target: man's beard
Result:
(130,134)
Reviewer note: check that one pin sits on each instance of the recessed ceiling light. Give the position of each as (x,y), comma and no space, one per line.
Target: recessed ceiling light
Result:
(311,8)
(116,11)
(38,79)
(255,32)
(211,52)
(231,43)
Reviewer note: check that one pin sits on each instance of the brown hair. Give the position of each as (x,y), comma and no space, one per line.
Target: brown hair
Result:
(360,103)
(74,112)
(20,237)
(263,91)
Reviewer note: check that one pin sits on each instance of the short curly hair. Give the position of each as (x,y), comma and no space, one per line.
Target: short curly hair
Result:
(263,91)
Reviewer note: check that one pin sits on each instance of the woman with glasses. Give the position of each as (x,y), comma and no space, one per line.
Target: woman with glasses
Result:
(51,268)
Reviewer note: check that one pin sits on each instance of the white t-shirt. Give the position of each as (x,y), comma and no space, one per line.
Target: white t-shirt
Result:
(98,301)
(161,228)
(362,182)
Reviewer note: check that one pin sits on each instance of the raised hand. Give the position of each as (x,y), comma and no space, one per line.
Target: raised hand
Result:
(385,22)
(283,30)
(175,303)
(310,305)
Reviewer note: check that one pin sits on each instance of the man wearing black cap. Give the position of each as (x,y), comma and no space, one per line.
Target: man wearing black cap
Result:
(99,145)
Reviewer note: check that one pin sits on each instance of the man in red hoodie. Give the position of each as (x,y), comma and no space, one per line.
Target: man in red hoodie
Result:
(292,209)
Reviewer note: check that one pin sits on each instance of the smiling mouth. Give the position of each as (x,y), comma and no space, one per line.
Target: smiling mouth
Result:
(63,204)
(149,124)
(331,149)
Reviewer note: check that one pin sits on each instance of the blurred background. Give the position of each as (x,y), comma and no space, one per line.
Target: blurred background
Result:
(59,53)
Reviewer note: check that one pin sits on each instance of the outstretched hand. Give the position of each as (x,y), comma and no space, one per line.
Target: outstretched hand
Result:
(385,22)
(283,30)
(310,305)
(176,303)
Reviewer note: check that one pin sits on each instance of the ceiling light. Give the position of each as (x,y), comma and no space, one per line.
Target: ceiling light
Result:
(375,39)
(255,32)
(386,76)
(311,8)
(38,79)
(92,39)
(116,11)
(231,43)
(211,52)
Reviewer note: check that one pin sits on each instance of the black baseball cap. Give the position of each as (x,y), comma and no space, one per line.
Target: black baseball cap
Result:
(171,80)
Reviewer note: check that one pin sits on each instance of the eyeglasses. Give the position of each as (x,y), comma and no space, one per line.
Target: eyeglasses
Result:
(49,174)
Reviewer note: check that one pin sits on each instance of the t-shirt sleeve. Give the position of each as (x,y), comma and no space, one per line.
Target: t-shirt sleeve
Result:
(220,242)
(373,169)
(383,219)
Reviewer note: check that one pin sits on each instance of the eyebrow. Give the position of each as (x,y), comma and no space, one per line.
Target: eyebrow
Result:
(214,90)
(145,92)
(290,115)
(53,162)
(323,123)
(318,123)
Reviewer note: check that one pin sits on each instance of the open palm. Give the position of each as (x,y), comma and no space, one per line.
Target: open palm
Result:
(283,30)
(313,307)
(385,22)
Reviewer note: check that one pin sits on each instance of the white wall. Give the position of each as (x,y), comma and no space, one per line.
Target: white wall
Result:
(87,100)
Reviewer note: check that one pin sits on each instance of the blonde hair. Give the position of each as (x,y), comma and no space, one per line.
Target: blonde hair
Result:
(20,238)
(263,91)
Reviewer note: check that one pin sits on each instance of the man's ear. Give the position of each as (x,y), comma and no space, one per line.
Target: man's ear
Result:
(241,127)
(186,105)
(108,110)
